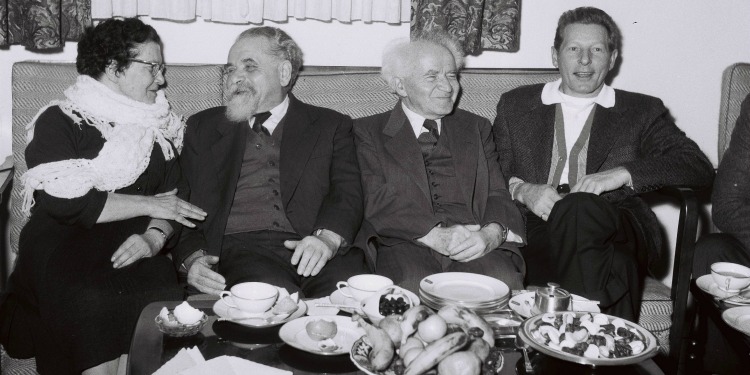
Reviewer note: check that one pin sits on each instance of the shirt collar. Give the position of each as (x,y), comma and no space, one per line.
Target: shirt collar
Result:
(551,94)
(277,113)
(416,120)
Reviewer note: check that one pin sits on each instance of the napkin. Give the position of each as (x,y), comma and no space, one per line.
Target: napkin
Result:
(228,365)
(313,310)
(186,358)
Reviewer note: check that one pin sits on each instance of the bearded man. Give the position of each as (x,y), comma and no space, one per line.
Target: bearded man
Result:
(278,178)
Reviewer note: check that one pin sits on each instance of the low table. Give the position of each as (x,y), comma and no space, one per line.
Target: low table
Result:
(150,349)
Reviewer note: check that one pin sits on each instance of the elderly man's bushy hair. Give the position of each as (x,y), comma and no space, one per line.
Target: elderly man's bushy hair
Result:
(113,40)
(589,16)
(397,54)
(282,46)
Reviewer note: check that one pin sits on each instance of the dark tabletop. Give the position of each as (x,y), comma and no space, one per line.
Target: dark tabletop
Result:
(150,349)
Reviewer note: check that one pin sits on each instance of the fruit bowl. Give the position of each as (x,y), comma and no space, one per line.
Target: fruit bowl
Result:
(177,329)
(362,347)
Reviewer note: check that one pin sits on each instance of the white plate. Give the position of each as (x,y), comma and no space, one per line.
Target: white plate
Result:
(738,318)
(371,306)
(523,303)
(222,310)
(708,285)
(464,287)
(339,298)
(294,333)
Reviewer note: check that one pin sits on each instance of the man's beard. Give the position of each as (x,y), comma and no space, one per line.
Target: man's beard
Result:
(242,103)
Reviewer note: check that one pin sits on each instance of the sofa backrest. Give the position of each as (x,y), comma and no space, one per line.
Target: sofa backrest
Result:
(735,86)
(355,91)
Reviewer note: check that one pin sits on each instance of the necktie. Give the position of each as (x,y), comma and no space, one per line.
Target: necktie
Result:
(260,118)
(428,140)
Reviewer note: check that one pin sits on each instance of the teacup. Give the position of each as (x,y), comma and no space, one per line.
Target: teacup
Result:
(251,297)
(730,277)
(362,286)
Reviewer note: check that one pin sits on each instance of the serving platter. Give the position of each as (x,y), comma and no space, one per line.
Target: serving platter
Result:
(526,333)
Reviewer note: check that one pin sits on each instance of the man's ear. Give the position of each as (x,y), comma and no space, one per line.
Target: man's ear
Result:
(554,56)
(397,85)
(285,73)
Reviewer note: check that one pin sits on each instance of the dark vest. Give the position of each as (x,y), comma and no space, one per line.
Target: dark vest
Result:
(257,201)
(448,203)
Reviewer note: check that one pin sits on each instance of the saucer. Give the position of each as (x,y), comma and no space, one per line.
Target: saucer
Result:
(523,304)
(295,334)
(707,284)
(223,311)
(738,318)
(339,298)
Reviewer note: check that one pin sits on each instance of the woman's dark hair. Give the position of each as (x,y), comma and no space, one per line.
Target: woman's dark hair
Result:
(113,40)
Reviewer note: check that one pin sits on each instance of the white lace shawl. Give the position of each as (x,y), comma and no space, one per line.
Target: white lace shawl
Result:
(130,129)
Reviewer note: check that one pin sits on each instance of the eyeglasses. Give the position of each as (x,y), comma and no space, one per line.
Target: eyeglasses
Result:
(156,67)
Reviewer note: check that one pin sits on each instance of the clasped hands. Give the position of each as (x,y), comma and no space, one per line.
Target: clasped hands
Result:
(463,243)
(541,198)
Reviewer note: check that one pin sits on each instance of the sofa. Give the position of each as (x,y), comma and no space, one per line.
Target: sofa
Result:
(357,92)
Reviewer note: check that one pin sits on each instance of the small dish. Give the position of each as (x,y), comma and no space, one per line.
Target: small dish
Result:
(371,305)
(738,318)
(178,329)
(295,334)
(523,304)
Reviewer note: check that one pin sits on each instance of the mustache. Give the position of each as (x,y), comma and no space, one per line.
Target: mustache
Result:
(240,89)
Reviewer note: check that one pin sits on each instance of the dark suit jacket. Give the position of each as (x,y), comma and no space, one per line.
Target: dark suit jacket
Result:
(320,182)
(636,133)
(731,194)
(398,207)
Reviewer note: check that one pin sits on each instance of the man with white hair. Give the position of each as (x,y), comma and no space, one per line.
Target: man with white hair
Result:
(435,198)
(277,177)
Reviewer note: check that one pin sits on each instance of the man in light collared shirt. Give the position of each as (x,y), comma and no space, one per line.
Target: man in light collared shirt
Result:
(277,177)
(577,153)
(435,198)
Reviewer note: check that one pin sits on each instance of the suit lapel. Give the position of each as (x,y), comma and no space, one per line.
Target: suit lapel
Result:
(464,150)
(605,130)
(402,145)
(227,152)
(539,134)
(298,141)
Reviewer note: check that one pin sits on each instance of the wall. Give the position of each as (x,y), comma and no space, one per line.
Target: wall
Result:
(673,49)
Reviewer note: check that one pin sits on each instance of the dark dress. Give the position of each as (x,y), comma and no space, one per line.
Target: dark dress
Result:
(65,304)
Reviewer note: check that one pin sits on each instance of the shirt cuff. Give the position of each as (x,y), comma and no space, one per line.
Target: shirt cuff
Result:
(513,184)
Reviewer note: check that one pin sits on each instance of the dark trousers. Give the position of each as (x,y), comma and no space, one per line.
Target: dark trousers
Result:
(718,356)
(261,256)
(408,263)
(590,248)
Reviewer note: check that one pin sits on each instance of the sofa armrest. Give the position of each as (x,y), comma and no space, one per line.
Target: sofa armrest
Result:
(687,230)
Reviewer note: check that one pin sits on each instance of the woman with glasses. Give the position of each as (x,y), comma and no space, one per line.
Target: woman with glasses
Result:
(104,200)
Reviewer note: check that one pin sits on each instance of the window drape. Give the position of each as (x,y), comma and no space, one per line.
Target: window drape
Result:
(477,24)
(43,24)
(256,11)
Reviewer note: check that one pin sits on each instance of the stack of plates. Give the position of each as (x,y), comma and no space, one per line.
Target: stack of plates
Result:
(482,294)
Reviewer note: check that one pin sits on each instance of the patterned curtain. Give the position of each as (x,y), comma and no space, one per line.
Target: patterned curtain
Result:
(256,11)
(476,24)
(43,24)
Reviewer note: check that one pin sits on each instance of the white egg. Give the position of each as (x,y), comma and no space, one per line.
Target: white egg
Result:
(187,314)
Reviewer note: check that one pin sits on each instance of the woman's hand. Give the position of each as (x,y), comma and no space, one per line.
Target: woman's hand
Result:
(168,206)
(137,246)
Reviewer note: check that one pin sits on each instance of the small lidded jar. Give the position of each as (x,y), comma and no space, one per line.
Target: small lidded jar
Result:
(551,299)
